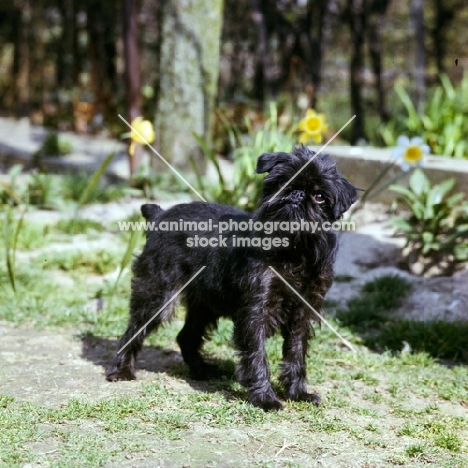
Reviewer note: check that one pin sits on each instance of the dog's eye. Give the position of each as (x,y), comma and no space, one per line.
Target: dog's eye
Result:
(318,197)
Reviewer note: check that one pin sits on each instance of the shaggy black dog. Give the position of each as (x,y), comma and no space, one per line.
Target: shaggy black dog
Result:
(237,250)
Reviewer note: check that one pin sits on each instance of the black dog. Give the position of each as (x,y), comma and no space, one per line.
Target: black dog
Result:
(237,281)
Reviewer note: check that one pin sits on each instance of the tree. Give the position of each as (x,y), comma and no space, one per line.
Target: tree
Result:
(377,12)
(132,69)
(189,66)
(445,12)
(417,23)
(355,12)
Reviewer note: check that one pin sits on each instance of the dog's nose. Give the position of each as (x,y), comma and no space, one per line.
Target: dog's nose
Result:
(297,195)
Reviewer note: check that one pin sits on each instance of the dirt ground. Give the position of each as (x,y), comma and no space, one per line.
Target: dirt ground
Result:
(51,369)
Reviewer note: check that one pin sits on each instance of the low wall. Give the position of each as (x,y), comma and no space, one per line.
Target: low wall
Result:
(363,165)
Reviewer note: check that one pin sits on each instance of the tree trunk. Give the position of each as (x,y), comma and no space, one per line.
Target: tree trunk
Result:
(357,26)
(65,47)
(262,86)
(101,52)
(417,23)
(444,15)
(189,66)
(315,16)
(17,96)
(132,69)
(374,26)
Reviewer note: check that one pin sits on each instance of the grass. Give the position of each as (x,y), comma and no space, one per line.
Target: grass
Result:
(400,407)
(97,262)
(367,315)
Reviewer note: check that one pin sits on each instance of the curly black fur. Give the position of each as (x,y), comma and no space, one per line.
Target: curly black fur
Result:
(237,281)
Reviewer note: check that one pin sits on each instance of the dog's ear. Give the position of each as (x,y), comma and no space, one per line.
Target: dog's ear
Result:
(346,195)
(267,161)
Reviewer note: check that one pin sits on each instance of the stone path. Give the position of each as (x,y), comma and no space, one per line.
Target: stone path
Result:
(19,140)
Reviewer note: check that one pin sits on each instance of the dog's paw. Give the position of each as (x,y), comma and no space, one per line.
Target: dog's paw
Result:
(304,396)
(113,374)
(266,402)
(204,371)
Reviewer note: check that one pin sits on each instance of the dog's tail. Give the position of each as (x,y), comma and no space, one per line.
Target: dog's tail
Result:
(151,211)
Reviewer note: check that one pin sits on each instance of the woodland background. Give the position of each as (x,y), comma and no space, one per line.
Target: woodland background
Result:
(76,64)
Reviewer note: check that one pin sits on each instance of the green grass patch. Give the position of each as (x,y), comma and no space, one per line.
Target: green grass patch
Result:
(367,315)
(78,226)
(97,262)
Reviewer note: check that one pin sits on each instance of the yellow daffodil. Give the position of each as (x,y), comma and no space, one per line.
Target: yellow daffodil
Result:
(142,131)
(312,126)
(410,152)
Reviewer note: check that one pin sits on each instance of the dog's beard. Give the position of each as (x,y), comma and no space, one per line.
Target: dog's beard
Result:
(303,186)
(291,206)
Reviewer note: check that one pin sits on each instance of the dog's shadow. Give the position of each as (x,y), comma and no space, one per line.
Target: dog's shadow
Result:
(100,351)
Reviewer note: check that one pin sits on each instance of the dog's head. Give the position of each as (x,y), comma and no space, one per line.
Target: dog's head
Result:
(303,185)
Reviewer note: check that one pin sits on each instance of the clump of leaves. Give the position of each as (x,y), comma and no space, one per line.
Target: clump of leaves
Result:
(444,123)
(154,184)
(43,191)
(54,145)
(12,191)
(436,228)
(244,188)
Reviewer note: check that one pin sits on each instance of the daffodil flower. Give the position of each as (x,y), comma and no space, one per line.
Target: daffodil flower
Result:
(410,152)
(141,134)
(312,126)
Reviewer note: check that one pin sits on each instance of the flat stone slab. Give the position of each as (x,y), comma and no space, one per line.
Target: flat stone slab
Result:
(19,140)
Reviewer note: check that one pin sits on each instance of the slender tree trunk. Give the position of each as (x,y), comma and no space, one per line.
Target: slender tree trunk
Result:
(189,66)
(101,52)
(357,25)
(316,11)
(132,67)
(17,96)
(417,22)
(65,65)
(261,82)
(374,26)
(444,15)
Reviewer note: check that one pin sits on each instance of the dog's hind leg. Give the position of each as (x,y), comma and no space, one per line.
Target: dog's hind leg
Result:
(198,322)
(146,301)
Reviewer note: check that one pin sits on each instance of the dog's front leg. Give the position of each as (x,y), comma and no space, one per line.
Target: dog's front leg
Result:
(253,371)
(296,334)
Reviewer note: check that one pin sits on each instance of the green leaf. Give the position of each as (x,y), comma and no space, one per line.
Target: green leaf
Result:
(428,237)
(403,191)
(418,182)
(94,181)
(460,252)
(447,86)
(455,199)
(15,171)
(133,242)
(413,117)
(401,224)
